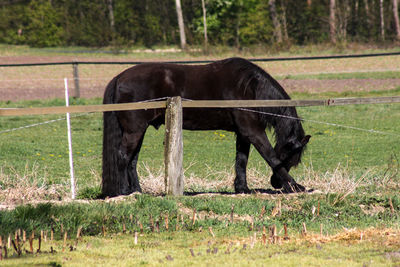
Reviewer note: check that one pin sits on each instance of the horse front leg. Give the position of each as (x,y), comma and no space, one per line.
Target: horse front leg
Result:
(242,155)
(279,180)
(281,176)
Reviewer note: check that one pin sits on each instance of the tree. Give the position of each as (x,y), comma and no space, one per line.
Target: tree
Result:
(203,6)
(44,27)
(382,24)
(396,19)
(275,21)
(332,21)
(181,24)
(284,22)
(111,14)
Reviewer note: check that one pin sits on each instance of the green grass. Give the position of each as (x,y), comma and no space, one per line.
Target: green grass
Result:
(137,212)
(174,250)
(232,241)
(206,153)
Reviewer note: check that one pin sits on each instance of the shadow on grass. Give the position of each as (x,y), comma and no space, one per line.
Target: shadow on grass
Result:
(253,191)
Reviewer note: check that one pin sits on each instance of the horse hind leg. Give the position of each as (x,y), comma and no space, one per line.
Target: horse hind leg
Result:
(132,170)
(242,155)
(128,154)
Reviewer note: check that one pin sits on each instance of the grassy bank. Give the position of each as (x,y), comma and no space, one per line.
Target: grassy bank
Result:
(201,249)
(218,230)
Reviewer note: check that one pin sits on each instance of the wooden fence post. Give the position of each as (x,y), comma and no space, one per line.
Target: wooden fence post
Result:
(173,151)
(77,93)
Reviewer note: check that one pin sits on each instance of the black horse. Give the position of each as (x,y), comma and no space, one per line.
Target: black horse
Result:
(229,79)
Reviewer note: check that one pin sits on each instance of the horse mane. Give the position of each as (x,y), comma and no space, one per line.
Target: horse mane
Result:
(264,87)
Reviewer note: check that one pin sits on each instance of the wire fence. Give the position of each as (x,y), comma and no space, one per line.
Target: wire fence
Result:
(90,77)
(201,61)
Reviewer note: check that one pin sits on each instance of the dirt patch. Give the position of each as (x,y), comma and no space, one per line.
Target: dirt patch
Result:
(44,82)
(353,85)
(53,59)
(91,89)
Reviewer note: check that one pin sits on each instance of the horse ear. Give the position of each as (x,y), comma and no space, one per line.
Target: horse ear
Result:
(305,140)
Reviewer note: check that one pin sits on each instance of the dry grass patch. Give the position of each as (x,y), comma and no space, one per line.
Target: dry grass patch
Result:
(31,187)
(21,188)
(341,181)
(387,237)
(152,180)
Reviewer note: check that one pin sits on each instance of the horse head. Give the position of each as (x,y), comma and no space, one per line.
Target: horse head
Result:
(290,152)
(290,155)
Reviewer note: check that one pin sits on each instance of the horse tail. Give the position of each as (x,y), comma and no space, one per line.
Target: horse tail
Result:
(112,136)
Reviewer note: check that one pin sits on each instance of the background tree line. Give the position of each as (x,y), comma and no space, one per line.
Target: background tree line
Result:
(239,23)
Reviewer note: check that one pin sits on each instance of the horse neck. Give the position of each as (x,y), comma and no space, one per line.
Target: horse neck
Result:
(286,121)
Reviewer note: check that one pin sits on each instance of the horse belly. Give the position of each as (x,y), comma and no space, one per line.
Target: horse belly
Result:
(207,119)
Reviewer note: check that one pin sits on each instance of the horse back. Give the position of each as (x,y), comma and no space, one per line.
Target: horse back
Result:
(218,81)
(231,79)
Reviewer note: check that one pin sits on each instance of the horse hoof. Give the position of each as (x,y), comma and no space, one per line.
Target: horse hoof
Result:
(300,188)
(276,182)
(294,188)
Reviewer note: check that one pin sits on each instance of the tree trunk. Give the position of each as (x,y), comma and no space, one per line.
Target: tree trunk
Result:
(111,14)
(367,13)
(332,21)
(382,20)
(181,24)
(237,28)
(396,19)
(203,5)
(284,22)
(345,14)
(275,21)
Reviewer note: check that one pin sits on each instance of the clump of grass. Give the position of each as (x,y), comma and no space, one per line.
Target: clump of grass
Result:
(343,181)
(338,181)
(31,187)
(19,188)
(152,180)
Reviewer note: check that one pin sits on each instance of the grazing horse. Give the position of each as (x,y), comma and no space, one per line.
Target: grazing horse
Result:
(229,79)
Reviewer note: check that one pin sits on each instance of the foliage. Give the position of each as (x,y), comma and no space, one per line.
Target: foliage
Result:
(44,25)
(153,22)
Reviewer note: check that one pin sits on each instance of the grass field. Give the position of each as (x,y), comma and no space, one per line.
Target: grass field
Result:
(44,148)
(354,172)
(202,250)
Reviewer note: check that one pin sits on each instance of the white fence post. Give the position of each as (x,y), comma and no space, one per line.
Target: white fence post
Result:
(71,162)
(173,147)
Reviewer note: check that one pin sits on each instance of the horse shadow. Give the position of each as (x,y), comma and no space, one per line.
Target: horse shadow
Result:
(253,192)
